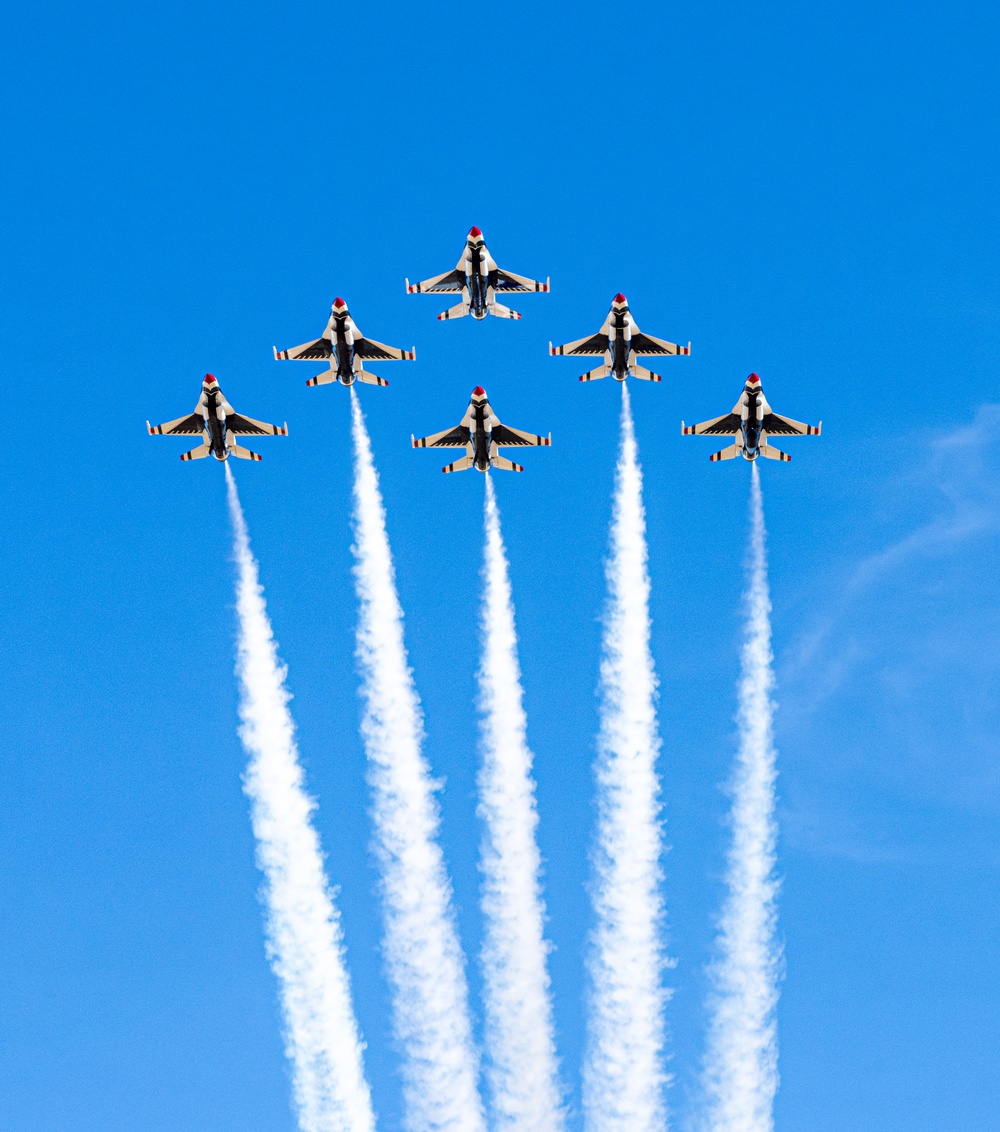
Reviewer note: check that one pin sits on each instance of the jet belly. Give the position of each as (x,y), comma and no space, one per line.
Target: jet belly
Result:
(620,356)
(343,348)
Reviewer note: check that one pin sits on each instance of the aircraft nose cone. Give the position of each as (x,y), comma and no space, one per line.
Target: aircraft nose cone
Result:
(620,298)
(753,379)
(474,231)
(339,303)
(209,379)
(479,391)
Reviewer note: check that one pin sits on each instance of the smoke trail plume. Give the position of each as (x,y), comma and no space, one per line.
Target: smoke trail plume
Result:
(304,939)
(741,1065)
(624,1078)
(519,1029)
(423,954)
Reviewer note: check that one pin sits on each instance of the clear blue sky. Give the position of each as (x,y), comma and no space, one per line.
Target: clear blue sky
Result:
(809,192)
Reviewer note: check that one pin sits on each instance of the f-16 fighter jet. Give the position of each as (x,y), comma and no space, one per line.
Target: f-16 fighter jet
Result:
(478,279)
(481,435)
(620,341)
(752,424)
(345,348)
(218,424)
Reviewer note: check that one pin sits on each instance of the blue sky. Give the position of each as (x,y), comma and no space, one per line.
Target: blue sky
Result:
(808,192)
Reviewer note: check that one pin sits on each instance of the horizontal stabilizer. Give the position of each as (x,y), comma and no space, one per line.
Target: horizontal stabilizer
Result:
(729,453)
(198,453)
(505,465)
(323,378)
(645,374)
(370,378)
(771,453)
(460,465)
(595,374)
(459,310)
(500,311)
(243,453)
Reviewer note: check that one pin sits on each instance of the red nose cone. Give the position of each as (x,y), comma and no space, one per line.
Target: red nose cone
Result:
(479,391)
(753,379)
(209,379)
(474,231)
(620,298)
(338,303)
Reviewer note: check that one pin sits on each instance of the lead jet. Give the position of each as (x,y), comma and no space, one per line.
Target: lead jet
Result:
(218,424)
(478,279)
(620,341)
(752,423)
(345,348)
(481,435)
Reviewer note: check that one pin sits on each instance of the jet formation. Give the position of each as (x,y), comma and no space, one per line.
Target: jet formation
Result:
(479,280)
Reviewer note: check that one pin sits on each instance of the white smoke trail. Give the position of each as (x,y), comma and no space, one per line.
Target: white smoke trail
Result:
(624,1078)
(519,1029)
(422,950)
(304,938)
(741,1065)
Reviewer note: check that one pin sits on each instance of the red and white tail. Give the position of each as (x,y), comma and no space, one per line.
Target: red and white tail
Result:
(462,465)
(729,453)
(370,378)
(323,378)
(500,311)
(596,374)
(771,453)
(505,465)
(645,374)
(459,310)
(198,453)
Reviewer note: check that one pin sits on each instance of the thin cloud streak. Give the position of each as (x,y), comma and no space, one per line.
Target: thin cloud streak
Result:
(741,1064)
(523,1069)
(423,954)
(624,1078)
(304,938)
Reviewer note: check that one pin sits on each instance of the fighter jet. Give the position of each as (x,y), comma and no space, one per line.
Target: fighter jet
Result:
(752,424)
(218,424)
(620,341)
(345,348)
(478,279)
(481,435)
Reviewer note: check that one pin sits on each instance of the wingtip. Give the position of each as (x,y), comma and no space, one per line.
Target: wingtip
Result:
(275,351)
(408,291)
(552,350)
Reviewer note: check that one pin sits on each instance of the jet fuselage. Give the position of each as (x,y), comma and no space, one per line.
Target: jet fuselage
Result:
(342,342)
(751,424)
(620,344)
(480,437)
(477,280)
(215,422)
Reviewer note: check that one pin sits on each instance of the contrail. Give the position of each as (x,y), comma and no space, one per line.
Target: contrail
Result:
(741,1064)
(519,1029)
(423,954)
(304,938)
(624,1078)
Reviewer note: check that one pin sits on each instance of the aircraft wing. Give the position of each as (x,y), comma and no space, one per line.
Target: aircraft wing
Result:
(509,437)
(775,425)
(729,425)
(596,344)
(193,425)
(318,350)
(247,426)
(378,351)
(508,281)
(457,437)
(647,344)
(450,281)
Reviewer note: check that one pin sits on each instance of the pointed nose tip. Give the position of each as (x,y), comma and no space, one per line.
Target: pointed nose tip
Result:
(753,379)
(474,231)
(339,303)
(209,379)
(479,391)
(620,298)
